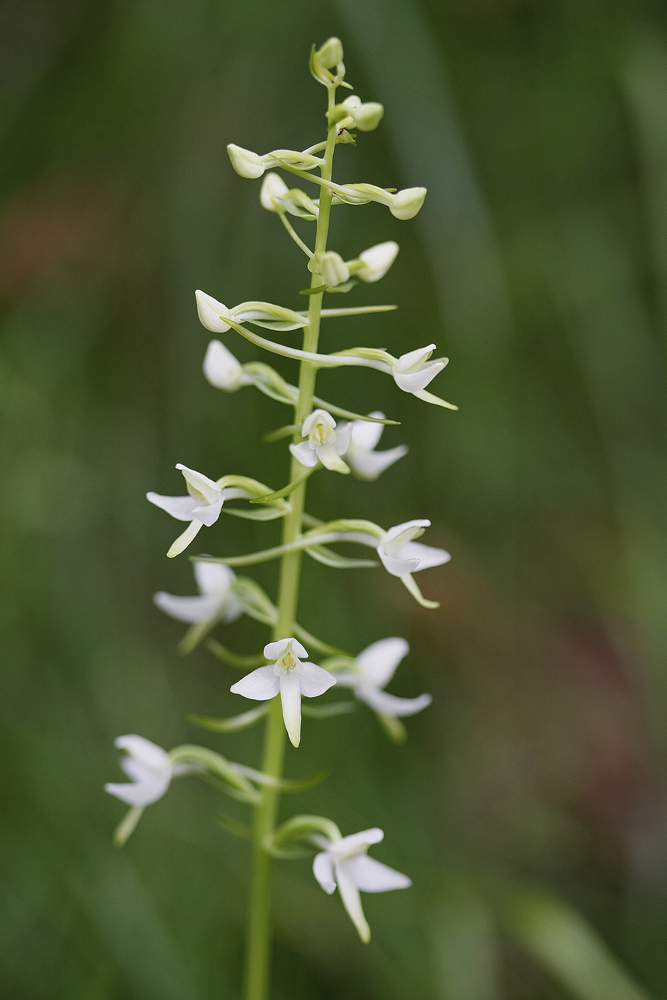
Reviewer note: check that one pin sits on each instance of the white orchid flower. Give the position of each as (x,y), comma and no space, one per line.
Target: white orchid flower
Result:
(413,371)
(361,456)
(290,677)
(374,263)
(216,600)
(325,443)
(401,555)
(272,190)
(372,671)
(201,507)
(148,766)
(222,369)
(345,864)
(333,269)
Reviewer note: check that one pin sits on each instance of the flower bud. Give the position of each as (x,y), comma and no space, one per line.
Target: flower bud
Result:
(366,116)
(273,189)
(222,369)
(333,269)
(330,53)
(211,312)
(406,203)
(376,261)
(326,58)
(245,162)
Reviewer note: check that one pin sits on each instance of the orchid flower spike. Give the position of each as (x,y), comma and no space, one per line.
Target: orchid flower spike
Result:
(372,671)
(413,371)
(216,600)
(345,864)
(150,769)
(201,507)
(288,676)
(365,462)
(222,369)
(325,443)
(374,263)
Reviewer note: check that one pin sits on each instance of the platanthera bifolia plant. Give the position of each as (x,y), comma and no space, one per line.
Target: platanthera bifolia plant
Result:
(326,438)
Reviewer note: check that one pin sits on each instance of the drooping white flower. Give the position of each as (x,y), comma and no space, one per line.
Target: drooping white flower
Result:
(272,190)
(290,677)
(402,555)
(372,670)
(333,269)
(361,456)
(201,507)
(345,864)
(365,115)
(222,369)
(148,766)
(376,261)
(413,371)
(326,443)
(216,600)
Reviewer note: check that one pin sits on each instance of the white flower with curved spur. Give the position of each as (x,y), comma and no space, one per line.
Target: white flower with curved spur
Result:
(148,766)
(272,190)
(413,371)
(325,442)
(222,369)
(372,671)
(345,864)
(201,507)
(290,677)
(401,554)
(365,462)
(216,600)
(333,269)
(376,261)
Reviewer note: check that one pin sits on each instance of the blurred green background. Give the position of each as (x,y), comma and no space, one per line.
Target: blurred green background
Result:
(529,802)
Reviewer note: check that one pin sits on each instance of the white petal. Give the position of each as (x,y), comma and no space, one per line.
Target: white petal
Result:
(389,704)
(320,417)
(378,661)
(136,771)
(184,540)
(427,555)
(222,369)
(212,577)
(415,381)
(349,893)
(355,843)
(377,260)
(210,312)
(304,454)
(401,533)
(371,464)
(274,650)
(372,876)
(366,434)
(323,872)
(199,486)
(414,359)
(259,685)
(179,507)
(147,753)
(396,565)
(343,438)
(140,794)
(290,695)
(329,458)
(315,680)
(202,608)
(208,513)
(273,187)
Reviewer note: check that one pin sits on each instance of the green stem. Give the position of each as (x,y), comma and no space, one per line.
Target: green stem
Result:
(259,926)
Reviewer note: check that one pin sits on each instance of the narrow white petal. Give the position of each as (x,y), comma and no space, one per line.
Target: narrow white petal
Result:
(274,650)
(140,794)
(371,464)
(323,872)
(378,661)
(145,751)
(414,358)
(200,486)
(315,680)
(427,555)
(208,513)
(330,460)
(184,540)
(404,532)
(357,842)
(349,893)
(415,381)
(395,565)
(389,704)
(366,434)
(304,454)
(343,438)
(179,507)
(202,608)
(290,695)
(259,685)
(372,876)
(211,312)
(212,577)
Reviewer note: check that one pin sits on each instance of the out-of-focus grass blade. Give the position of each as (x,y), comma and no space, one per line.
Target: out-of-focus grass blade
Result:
(464,948)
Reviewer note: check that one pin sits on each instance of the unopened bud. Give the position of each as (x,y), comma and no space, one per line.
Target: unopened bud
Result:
(365,116)
(273,189)
(245,162)
(211,312)
(406,203)
(330,53)
(333,269)
(376,261)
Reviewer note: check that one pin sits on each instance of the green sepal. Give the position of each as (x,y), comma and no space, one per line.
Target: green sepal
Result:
(233,724)
(412,587)
(393,727)
(347,286)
